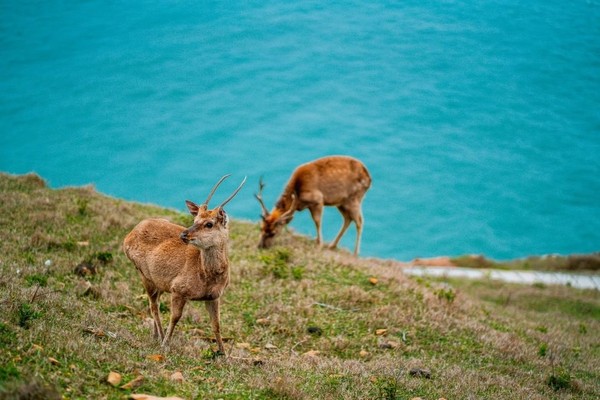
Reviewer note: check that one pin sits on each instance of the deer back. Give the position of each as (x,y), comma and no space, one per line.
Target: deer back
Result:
(340,179)
(156,249)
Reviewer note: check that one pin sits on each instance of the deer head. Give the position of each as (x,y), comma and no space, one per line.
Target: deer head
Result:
(273,222)
(210,227)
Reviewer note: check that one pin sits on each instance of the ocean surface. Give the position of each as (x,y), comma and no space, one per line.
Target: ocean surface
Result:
(478,120)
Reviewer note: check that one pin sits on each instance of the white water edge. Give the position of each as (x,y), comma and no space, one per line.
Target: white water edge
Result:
(523,277)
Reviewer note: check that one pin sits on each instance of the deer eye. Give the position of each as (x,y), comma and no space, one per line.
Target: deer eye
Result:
(208,225)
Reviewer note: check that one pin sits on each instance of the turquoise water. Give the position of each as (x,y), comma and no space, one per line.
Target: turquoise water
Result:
(479,121)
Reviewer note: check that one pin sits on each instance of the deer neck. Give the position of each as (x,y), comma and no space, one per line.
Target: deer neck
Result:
(215,259)
(285,202)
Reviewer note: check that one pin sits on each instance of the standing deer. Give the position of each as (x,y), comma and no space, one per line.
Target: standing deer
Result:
(191,264)
(330,181)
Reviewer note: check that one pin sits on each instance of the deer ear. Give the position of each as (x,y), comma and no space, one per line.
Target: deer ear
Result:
(193,207)
(223,217)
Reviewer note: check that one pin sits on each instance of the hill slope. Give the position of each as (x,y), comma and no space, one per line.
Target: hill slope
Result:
(300,323)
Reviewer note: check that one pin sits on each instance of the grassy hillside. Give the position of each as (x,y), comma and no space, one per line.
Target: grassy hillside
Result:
(300,323)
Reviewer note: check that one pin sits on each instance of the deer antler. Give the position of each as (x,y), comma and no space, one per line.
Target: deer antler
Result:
(258,196)
(233,194)
(210,195)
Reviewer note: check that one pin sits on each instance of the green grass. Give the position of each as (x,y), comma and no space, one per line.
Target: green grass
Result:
(299,322)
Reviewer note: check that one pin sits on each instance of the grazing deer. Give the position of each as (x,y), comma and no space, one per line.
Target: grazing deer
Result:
(191,264)
(330,181)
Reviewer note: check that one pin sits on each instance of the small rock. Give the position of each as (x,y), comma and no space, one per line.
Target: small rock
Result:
(48,263)
(177,377)
(85,269)
(257,361)
(85,288)
(114,378)
(420,373)
(315,330)
(363,353)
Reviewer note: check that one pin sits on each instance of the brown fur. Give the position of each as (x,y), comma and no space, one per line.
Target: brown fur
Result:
(338,181)
(191,264)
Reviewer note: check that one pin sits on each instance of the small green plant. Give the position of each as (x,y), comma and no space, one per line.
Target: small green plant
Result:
(8,371)
(103,256)
(543,350)
(298,272)
(386,388)
(559,381)
(27,314)
(248,318)
(5,334)
(36,279)
(277,263)
(82,206)
(542,329)
(582,329)
(446,293)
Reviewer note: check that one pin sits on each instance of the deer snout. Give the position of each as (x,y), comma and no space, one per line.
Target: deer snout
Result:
(184,237)
(265,242)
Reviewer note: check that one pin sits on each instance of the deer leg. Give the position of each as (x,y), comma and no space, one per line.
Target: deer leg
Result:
(177,303)
(215,319)
(345,225)
(357,217)
(316,211)
(153,298)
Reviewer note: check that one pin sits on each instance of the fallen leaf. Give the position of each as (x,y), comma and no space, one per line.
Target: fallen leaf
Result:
(114,378)
(270,346)
(83,243)
(150,397)
(36,347)
(177,377)
(53,361)
(363,353)
(263,321)
(311,353)
(134,383)
(373,281)
(380,332)
(245,346)
(156,357)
